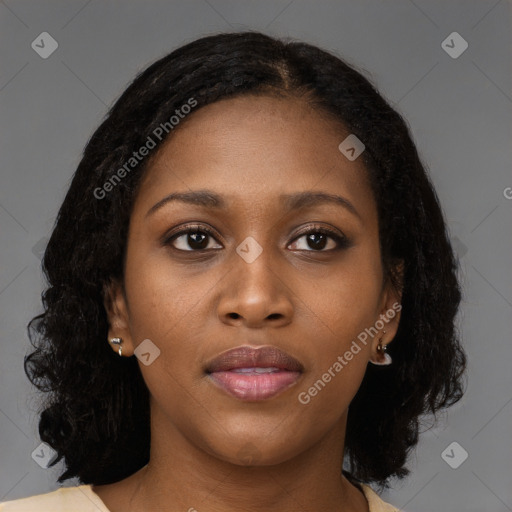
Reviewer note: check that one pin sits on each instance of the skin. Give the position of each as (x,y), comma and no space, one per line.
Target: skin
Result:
(311,303)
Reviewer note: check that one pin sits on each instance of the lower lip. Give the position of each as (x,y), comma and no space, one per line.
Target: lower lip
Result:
(253,387)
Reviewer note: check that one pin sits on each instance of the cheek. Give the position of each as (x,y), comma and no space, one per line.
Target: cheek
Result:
(162,296)
(339,347)
(168,306)
(346,299)
(341,310)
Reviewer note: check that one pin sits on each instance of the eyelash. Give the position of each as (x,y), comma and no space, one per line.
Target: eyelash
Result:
(341,241)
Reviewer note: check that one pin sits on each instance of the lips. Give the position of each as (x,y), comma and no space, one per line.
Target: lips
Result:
(253,374)
(247,357)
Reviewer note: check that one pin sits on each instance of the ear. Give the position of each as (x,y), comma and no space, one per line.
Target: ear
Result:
(391,306)
(118,316)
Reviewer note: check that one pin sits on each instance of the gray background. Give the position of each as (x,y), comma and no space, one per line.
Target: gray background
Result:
(459,111)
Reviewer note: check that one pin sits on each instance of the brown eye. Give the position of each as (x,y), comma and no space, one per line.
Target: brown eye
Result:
(317,240)
(192,239)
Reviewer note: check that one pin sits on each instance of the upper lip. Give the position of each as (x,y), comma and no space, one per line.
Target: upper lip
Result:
(249,357)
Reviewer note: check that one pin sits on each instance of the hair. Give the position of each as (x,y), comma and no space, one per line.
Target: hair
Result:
(96,410)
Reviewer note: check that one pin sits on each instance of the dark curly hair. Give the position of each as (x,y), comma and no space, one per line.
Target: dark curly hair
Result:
(96,411)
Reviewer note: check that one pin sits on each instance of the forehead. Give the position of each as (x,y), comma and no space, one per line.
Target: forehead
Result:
(256,148)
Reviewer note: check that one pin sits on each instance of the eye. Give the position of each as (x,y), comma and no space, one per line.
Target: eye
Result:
(197,238)
(316,239)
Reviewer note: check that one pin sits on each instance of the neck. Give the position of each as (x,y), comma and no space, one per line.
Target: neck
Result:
(182,476)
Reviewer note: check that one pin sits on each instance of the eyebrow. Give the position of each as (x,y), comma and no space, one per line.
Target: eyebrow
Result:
(210,199)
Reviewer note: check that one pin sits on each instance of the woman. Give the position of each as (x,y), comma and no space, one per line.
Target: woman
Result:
(249,227)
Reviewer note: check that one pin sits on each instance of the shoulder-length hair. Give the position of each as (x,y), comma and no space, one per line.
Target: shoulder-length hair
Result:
(96,411)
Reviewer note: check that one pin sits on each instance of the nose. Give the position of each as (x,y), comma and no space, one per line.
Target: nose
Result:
(255,294)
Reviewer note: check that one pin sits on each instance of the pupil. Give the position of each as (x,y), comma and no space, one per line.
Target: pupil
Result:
(317,244)
(198,244)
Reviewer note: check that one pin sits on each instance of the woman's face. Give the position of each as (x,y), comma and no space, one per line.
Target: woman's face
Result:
(259,280)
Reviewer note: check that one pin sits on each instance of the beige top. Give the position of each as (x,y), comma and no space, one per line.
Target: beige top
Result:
(83,499)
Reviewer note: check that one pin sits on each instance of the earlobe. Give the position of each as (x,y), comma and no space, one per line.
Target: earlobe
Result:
(384,359)
(119,343)
(114,301)
(389,316)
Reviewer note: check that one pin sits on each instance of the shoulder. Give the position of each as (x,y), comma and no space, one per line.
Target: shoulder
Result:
(79,499)
(375,502)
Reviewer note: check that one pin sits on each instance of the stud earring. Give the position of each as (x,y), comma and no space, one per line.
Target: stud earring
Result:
(382,351)
(118,341)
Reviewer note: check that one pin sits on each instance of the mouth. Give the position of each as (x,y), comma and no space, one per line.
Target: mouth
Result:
(252,374)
